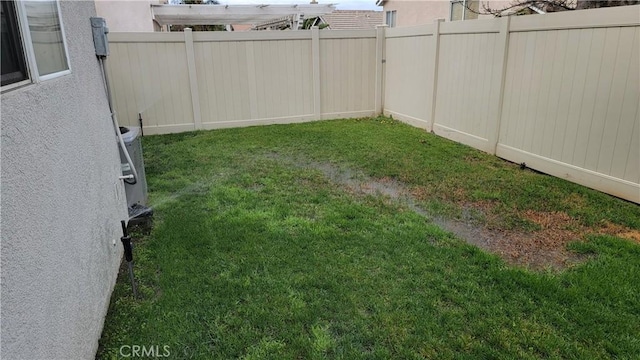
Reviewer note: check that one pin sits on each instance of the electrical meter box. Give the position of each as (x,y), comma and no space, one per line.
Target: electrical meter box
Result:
(100,31)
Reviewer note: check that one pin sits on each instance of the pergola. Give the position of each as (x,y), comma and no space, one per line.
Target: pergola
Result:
(236,14)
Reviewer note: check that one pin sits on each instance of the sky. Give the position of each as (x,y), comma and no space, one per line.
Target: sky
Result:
(340,4)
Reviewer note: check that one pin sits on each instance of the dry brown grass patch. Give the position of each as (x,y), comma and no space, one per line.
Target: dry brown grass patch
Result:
(620,231)
(546,247)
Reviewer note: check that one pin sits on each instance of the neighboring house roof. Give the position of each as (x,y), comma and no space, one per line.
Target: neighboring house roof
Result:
(353,19)
(241,27)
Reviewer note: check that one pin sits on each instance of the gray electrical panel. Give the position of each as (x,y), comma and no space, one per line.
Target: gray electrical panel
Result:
(100,31)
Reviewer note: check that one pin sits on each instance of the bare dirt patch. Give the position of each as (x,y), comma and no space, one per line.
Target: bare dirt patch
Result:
(545,248)
(538,250)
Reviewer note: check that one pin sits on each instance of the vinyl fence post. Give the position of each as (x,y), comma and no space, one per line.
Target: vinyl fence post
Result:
(496,113)
(315,54)
(193,78)
(380,60)
(435,49)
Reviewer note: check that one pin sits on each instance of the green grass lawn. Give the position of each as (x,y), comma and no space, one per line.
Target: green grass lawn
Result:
(258,253)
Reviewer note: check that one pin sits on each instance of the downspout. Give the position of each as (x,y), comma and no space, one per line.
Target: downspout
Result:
(101,44)
(464,10)
(114,118)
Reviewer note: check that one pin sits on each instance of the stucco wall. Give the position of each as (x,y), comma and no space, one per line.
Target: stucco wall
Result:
(126,15)
(411,13)
(420,12)
(61,206)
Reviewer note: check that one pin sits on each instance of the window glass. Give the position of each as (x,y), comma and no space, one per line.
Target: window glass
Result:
(46,36)
(472,9)
(464,10)
(456,10)
(13,61)
(391,18)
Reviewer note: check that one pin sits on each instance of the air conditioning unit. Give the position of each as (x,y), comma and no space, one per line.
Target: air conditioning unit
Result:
(136,192)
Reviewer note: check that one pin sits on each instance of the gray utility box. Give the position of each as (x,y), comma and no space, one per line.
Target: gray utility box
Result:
(136,193)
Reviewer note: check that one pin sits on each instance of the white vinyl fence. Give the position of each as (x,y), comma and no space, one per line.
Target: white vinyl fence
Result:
(187,81)
(559,92)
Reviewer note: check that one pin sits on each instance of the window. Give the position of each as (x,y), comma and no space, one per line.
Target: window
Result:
(34,52)
(14,68)
(46,36)
(391,18)
(464,10)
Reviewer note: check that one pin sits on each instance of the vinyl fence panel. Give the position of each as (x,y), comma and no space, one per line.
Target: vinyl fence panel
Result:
(187,81)
(407,77)
(559,92)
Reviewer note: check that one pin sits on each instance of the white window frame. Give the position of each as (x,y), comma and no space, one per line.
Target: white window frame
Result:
(29,54)
(451,4)
(466,4)
(391,15)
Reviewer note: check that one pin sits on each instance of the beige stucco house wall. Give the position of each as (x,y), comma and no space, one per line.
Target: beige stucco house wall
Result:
(61,206)
(128,15)
(419,12)
(412,12)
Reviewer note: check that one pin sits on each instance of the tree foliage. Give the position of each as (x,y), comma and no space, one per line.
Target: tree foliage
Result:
(309,23)
(520,7)
(199,27)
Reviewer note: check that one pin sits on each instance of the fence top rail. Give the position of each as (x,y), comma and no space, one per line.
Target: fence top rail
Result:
(203,36)
(145,37)
(347,34)
(618,16)
(199,36)
(420,30)
(480,26)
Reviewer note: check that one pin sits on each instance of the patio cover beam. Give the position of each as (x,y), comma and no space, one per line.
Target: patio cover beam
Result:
(232,14)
